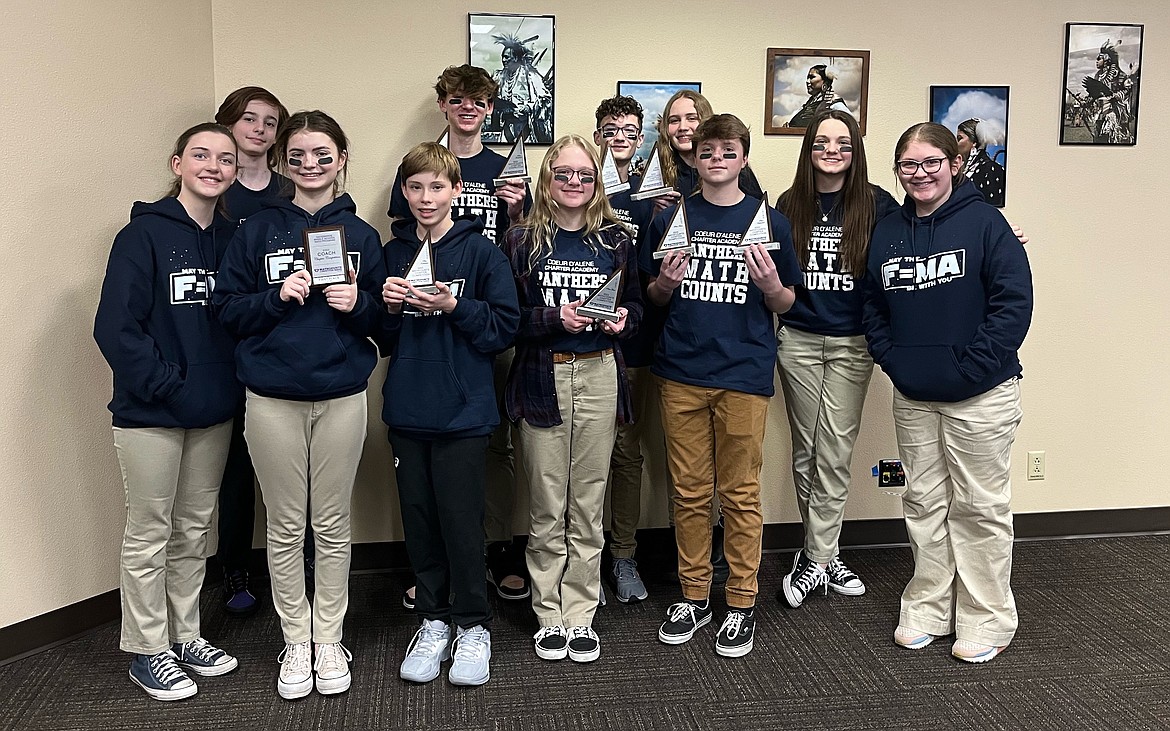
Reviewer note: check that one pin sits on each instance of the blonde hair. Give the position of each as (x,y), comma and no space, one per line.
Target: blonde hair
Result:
(431,157)
(541,226)
(665,150)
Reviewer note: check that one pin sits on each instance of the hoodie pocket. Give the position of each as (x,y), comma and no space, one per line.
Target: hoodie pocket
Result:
(928,373)
(305,360)
(424,394)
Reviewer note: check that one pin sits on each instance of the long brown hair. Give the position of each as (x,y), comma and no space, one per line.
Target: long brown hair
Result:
(181,147)
(801,204)
(665,150)
(313,121)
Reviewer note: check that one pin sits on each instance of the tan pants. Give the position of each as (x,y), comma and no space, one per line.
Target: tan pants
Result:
(171,477)
(824,380)
(958,513)
(566,467)
(306,453)
(714,443)
(500,495)
(625,484)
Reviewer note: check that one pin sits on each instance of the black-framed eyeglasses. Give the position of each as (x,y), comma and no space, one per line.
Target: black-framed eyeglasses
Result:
(630,132)
(929,166)
(564,175)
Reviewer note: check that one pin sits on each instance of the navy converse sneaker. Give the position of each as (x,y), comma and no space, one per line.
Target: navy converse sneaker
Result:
(238,598)
(682,619)
(842,580)
(161,677)
(737,634)
(805,576)
(202,658)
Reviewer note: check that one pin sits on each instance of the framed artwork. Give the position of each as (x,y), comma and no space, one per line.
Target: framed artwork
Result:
(517,50)
(652,95)
(799,82)
(1102,78)
(978,115)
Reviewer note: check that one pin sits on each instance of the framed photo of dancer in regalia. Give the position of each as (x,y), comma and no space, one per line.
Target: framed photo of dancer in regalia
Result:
(517,50)
(1102,78)
(800,82)
(978,115)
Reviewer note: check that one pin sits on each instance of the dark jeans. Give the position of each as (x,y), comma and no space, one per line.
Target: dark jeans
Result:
(441,490)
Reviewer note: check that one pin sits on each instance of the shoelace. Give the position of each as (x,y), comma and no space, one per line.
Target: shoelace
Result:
(237,581)
(579,632)
(839,571)
(547,631)
(682,609)
(164,667)
(332,659)
(471,644)
(201,649)
(297,658)
(626,569)
(427,640)
(733,623)
(811,578)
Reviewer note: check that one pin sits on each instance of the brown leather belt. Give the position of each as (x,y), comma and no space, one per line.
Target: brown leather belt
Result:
(559,358)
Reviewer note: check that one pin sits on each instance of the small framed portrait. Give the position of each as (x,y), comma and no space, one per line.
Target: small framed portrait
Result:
(1102,78)
(978,115)
(800,82)
(652,95)
(517,50)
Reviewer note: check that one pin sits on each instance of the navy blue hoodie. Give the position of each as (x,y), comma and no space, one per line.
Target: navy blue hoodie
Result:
(440,379)
(308,352)
(171,358)
(949,298)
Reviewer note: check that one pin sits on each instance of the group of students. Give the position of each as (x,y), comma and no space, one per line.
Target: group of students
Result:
(206,290)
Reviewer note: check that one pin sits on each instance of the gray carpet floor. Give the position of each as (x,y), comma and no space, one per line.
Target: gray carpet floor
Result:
(1091,653)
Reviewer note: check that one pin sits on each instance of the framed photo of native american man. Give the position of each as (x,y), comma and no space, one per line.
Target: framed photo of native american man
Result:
(1102,78)
(978,115)
(800,82)
(517,50)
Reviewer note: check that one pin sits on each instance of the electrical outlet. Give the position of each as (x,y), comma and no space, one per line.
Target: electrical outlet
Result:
(1035,465)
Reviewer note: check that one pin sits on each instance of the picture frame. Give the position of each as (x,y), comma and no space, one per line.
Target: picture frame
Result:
(652,95)
(518,52)
(978,115)
(792,94)
(1102,80)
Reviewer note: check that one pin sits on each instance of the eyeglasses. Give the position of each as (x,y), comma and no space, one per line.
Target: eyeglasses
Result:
(457,101)
(564,175)
(629,131)
(929,166)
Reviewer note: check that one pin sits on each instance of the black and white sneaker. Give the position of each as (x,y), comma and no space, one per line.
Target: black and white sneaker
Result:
(682,620)
(805,576)
(584,646)
(737,634)
(842,580)
(552,643)
(202,658)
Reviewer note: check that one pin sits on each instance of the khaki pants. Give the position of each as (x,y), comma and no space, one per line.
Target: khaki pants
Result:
(958,513)
(714,443)
(306,453)
(500,496)
(171,477)
(625,485)
(566,467)
(824,380)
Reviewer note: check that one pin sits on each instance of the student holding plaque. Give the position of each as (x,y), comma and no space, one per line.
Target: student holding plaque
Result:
(823,364)
(175,392)
(440,406)
(465,95)
(566,386)
(305,357)
(714,373)
(253,114)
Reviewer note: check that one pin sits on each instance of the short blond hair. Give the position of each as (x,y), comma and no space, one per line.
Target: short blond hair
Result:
(431,157)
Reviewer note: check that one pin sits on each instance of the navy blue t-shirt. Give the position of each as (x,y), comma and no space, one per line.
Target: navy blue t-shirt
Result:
(638,350)
(477,199)
(719,333)
(830,301)
(574,270)
(241,201)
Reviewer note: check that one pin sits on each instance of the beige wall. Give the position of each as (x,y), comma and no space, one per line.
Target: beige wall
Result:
(100,90)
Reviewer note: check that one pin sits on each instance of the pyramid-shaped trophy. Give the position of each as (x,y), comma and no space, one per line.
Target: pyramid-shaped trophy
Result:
(652,184)
(516,166)
(759,231)
(443,138)
(602,304)
(609,175)
(421,273)
(677,236)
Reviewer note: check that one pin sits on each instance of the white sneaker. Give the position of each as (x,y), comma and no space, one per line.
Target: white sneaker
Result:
(296,671)
(473,650)
(332,668)
(427,651)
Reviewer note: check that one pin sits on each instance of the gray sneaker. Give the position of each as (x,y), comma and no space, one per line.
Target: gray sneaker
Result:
(429,648)
(627,582)
(473,650)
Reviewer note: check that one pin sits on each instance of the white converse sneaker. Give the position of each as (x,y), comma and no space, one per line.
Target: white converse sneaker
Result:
(296,671)
(332,668)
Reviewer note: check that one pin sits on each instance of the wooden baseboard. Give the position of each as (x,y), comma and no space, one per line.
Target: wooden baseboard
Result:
(655,545)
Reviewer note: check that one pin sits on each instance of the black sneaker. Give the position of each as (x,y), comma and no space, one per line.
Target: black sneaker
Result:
(552,643)
(805,576)
(682,619)
(842,580)
(238,598)
(737,634)
(584,646)
(503,561)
